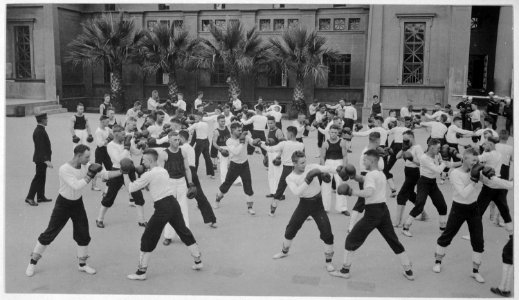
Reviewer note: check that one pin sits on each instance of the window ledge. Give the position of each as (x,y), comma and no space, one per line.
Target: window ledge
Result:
(25,80)
(415,16)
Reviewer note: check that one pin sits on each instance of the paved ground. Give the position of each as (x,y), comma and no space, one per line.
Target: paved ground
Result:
(237,255)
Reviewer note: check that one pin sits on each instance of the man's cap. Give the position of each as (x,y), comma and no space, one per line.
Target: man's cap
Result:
(40,117)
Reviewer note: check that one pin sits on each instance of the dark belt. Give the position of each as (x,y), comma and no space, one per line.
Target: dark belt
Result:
(427,179)
(316,197)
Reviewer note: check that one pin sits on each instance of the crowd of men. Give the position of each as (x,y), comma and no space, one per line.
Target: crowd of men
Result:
(162,157)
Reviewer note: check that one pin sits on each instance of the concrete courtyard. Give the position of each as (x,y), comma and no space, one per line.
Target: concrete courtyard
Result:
(237,255)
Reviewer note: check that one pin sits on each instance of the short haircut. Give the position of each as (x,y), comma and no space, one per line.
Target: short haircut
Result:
(409,132)
(160,112)
(80,104)
(226,106)
(151,152)
(433,142)
(235,125)
(443,118)
(154,92)
(379,118)
(184,134)
(335,127)
(407,119)
(105,95)
(199,113)
(374,136)
(131,119)
(220,117)
(438,103)
(103,117)
(375,96)
(80,149)
(292,129)
(504,134)
(117,128)
(456,119)
(372,153)
(180,94)
(172,133)
(137,103)
(200,93)
(271,118)
(471,151)
(297,155)
(493,139)
(336,118)
(392,111)
(259,107)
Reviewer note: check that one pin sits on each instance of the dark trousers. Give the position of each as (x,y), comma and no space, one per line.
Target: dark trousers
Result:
(505,172)
(102,158)
(282,184)
(509,124)
(498,196)
(235,171)
(114,185)
(257,134)
(455,146)
(214,151)
(205,208)
(63,210)
(310,207)
(38,182)
(167,210)
(320,139)
(428,187)
(376,216)
(461,213)
(392,159)
(360,204)
(508,252)
(476,125)
(348,123)
(407,190)
(202,147)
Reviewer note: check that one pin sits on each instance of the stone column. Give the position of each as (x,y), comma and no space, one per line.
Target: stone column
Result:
(52,51)
(373,56)
(504,53)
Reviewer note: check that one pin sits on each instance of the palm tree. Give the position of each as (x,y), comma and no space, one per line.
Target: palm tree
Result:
(241,53)
(110,40)
(167,49)
(301,52)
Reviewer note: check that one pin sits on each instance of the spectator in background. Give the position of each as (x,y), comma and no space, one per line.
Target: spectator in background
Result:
(376,107)
(105,105)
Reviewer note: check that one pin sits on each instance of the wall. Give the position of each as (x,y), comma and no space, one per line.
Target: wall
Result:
(504,53)
(72,77)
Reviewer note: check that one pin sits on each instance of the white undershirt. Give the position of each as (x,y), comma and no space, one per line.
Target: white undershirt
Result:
(297,185)
(376,180)
(158,182)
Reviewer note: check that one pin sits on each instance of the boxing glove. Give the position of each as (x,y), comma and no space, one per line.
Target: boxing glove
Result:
(224,152)
(127,142)
(424,111)
(191,191)
(381,151)
(139,169)
(347,133)
(341,171)
(407,156)
(140,114)
(142,145)
(137,135)
(126,165)
(488,172)
(389,151)
(453,152)
(270,142)
(358,127)
(256,142)
(459,135)
(311,174)
(406,145)
(90,138)
(391,125)
(93,169)
(243,137)
(475,172)
(344,189)
(75,139)
(152,142)
(277,161)
(445,153)
(350,171)
(326,177)
(166,126)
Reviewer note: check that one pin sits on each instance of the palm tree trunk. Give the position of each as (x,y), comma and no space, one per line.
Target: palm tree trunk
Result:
(299,88)
(234,86)
(116,86)
(172,86)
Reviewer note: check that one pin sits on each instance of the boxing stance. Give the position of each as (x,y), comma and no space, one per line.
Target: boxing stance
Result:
(274,136)
(465,208)
(103,136)
(220,136)
(73,177)
(376,216)
(202,144)
(167,211)
(79,127)
(303,182)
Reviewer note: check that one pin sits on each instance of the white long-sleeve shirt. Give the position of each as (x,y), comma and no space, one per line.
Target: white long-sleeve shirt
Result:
(312,109)
(491,159)
(480,133)
(72,180)
(117,152)
(297,185)
(155,130)
(259,122)
(382,131)
(464,190)
(350,112)
(450,136)
(237,150)
(158,182)
(101,135)
(319,116)
(361,163)
(201,128)
(398,133)
(287,148)
(438,130)
(152,104)
(376,180)
(180,104)
(276,114)
(236,104)
(507,153)
(430,167)
(417,152)
(300,128)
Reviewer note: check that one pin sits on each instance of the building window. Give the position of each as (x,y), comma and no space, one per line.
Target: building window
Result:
(219,6)
(354,24)
(414,44)
(220,24)
(178,23)
(151,25)
(206,25)
(325,24)
(218,76)
(110,7)
(474,23)
(107,75)
(339,24)
(279,24)
(163,7)
(22,39)
(278,6)
(278,77)
(264,25)
(339,70)
(293,23)
(233,22)
(164,22)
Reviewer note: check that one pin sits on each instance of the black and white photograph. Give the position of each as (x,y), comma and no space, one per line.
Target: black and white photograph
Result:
(247,149)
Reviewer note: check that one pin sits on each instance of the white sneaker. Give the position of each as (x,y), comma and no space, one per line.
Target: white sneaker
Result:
(137,277)
(271,214)
(213,225)
(478,277)
(87,269)
(30,270)
(442,181)
(279,255)
(330,267)
(339,274)
(437,268)
(198,267)
(407,233)
(251,211)
(466,237)
(131,204)
(216,205)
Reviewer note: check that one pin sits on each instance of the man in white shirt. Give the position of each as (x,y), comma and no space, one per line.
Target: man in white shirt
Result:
(350,115)
(275,167)
(121,147)
(202,144)
(454,132)
(312,110)
(228,115)
(236,104)
(153,102)
(337,121)
(73,177)
(302,126)
(156,129)
(277,115)
(135,111)
(167,211)
(285,150)
(376,216)
(180,103)
(465,208)
(303,181)
(406,111)
(431,165)
(259,123)
(198,101)
(103,136)
(481,132)
(320,116)
(438,129)
(475,117)
(396,130)
(238,167)
(377,128)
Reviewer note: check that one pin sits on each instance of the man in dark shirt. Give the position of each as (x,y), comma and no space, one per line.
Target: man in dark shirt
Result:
(41,157)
